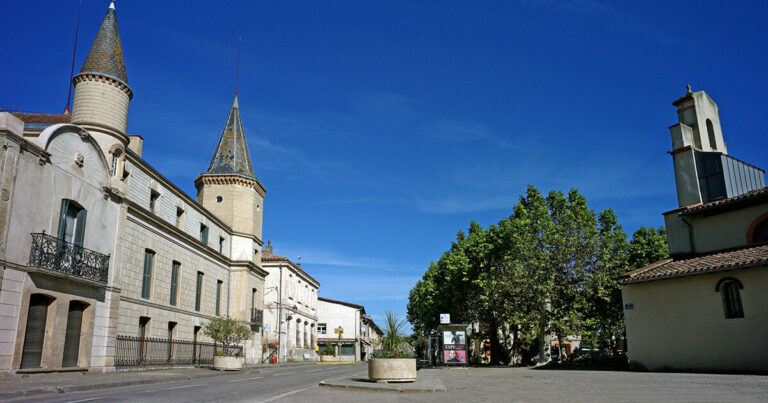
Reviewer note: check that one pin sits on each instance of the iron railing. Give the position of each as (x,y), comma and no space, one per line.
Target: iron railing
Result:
(132,351)
(257,316)
(52,253)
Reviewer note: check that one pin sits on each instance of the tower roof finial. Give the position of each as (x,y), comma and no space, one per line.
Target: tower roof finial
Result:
(688,90)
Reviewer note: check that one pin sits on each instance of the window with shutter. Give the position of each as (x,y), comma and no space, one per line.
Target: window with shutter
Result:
(175,282)
(146,284)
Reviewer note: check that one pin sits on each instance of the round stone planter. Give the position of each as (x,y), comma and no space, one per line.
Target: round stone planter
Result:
(392,369)
(228,363)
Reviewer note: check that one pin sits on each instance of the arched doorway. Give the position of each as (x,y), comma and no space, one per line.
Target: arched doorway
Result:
(34,334)
(72,336)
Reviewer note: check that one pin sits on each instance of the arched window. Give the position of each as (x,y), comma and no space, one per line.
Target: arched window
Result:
(758,230)
(729,293)
(711,134)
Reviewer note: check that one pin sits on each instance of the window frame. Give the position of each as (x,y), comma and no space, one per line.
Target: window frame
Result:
(146,278)
(175,271)
(199,291)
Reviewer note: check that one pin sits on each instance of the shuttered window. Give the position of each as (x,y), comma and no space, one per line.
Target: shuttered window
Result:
(34,334)
(175,282)
(218,296)
(72,222)
(146,284)
(203,234)
(199,291)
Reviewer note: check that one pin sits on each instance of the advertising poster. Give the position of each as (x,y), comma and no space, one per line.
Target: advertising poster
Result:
(455,356)
(454,337)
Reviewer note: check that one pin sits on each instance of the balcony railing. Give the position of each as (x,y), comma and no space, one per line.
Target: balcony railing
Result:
(257,316)
(49,252)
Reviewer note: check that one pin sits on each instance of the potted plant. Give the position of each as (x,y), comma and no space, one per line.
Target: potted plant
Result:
(328,353)
(229,333)
(396,363)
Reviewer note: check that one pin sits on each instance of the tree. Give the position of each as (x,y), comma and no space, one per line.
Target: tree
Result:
(649,245)
(226,331)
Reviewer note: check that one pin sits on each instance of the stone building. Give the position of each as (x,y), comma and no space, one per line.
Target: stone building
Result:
(291,295)
(358,335)
(97,246)
(704,309)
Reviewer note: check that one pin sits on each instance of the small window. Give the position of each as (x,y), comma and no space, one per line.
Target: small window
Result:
(175,282)
(204,234)
(321,328)
(115,162)
(218,296)
(731,296)
(153,196)
(219,199)
(179,217)
(221,244)
(711,135)
(72,222)
(146,283)
(199,291)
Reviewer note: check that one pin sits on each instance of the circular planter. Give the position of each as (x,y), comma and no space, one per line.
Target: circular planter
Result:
(228,363)
(392,369)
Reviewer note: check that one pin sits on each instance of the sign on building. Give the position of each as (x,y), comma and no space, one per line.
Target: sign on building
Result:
(338,330)
(445,318)
(267,328)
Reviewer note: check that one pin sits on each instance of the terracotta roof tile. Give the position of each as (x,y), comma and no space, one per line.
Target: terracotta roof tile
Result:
(753,255)
(34,118)
(752,195)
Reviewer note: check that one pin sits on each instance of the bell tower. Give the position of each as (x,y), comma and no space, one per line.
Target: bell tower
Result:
(102,93)
(230,190)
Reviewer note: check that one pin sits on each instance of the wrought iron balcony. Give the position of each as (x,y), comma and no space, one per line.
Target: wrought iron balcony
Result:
(49,252)
(257,316)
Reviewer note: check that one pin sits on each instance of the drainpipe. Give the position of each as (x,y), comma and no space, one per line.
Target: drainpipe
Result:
(690,232)
(229,276)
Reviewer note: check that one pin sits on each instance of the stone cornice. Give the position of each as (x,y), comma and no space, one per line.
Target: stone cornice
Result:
(107,129)
(104,78)
(215,179)
(250,266)
(251,236)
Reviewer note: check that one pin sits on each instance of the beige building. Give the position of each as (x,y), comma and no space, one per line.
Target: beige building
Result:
(347,324)
(291,297)
(100,252)
(704,309)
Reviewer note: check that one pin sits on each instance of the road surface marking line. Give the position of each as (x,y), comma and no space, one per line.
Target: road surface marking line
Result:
(246,379)
(284,373)
(280,396)
(87,400)
(182,387)
(317,370)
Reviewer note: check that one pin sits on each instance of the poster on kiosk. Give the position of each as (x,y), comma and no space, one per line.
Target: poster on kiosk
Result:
(454,347)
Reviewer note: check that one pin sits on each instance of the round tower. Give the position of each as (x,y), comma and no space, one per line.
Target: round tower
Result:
(102,93)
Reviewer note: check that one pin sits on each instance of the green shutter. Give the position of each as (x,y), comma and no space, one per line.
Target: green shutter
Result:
(63,218)
(204,234)
(174,282)
(147,279)
(218,297)
(80,227)
(198,296)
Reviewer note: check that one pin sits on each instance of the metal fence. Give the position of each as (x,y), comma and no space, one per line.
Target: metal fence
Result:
(132,351)
(53,253)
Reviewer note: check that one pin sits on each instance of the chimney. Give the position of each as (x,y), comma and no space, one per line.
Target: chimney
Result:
(268,248)
(136,143)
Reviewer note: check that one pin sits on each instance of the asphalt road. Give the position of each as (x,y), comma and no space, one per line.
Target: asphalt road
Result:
(271,384)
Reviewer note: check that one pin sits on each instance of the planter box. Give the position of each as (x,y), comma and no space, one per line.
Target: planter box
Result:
(328,358)
(392,369)
(228,363)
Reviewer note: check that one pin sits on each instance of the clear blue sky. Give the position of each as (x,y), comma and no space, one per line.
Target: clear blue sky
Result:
(380,130)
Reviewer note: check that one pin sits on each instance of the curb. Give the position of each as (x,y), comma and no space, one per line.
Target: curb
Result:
(372,388)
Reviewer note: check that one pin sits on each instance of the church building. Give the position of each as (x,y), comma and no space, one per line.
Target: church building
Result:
(107,264)
(704,309)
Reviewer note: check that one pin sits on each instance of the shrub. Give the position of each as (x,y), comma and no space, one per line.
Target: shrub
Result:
(227,332)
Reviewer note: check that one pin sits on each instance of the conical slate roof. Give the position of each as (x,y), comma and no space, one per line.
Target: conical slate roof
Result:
(106,54)
(232,155)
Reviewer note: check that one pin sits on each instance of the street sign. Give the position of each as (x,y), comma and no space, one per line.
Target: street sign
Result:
(445,318)
(338,330)
(267,328)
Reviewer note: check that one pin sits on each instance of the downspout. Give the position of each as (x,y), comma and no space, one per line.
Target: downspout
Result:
(229,276)
(690,232)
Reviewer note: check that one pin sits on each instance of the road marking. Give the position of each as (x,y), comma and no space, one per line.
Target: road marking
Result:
(182,387)
(87,400)
(280,396)
(317,370)
(284,373)
(246,379)
(151,391)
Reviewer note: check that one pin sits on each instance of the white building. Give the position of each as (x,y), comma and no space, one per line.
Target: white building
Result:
(358,336)
(291,294)
(100,251)
(704,309)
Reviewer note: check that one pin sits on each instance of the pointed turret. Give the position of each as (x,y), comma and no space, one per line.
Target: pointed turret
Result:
(230,190)
(102,93)
(232,155)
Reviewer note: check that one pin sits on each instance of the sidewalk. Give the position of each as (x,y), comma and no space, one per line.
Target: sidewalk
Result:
(20,385)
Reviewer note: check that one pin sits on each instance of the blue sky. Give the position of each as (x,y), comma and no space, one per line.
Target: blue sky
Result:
(381,129)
